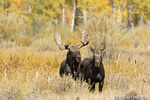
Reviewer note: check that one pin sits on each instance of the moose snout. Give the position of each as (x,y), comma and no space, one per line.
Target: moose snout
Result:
(78,59)
(97,64)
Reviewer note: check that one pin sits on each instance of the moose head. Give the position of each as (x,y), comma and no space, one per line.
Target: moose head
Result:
(98,55)
(74,50)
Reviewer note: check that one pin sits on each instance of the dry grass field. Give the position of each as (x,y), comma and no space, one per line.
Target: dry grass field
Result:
(29,67)
(30,75)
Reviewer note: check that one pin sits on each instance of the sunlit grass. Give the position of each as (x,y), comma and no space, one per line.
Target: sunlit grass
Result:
(29,65)
(26,73)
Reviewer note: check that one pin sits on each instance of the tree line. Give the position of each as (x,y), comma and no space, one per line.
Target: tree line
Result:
(74,12)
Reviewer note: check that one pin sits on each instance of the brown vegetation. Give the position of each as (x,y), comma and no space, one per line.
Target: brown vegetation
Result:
(27,71)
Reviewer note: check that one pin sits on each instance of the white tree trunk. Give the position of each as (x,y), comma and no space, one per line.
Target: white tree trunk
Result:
(119,19)
(29,9)
(73,15)
(128,24)
(114,10)
(50,25)
(56,22)
(140,22)
(63,14)
(84,16)
(6,7)
(78,14)
(132,16)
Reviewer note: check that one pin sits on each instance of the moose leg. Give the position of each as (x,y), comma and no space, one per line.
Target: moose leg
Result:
(77,74)
(101,86)
(81,79)
(67,70)
(92,87)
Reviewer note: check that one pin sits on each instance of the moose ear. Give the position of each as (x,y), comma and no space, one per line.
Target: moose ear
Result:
(67,45)
(92,49)
(102,50)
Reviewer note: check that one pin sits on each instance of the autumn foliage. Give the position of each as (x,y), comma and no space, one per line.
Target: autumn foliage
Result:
(30,59)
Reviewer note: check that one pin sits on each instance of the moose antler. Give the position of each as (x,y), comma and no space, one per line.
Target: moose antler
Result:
(58,42)
(85,40)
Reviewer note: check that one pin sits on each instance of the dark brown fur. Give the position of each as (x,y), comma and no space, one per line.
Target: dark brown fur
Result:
(73,59)
(71,63)
(92,70)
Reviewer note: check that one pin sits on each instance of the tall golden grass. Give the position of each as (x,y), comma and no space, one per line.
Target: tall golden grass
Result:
(27,74)
(29,65)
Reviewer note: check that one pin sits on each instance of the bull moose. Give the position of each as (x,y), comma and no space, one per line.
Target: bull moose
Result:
(73,58)
(92,69)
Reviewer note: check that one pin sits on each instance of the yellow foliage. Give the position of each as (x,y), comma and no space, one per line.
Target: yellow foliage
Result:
(26,72)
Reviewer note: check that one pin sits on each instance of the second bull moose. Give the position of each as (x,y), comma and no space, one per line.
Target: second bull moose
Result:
(92,69)
(73,58)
